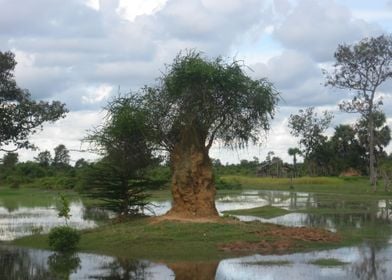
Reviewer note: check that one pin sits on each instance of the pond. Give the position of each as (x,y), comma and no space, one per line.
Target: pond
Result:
(370,260)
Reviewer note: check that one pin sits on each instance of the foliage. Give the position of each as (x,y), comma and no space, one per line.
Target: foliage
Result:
(362,68)
(44,158)
(381,132)
(310,128)
(210,99)
(20,116)
(61,157)
(294,152)
(118,178)
(347,152)
(63,209)
(122,195)
(63,239)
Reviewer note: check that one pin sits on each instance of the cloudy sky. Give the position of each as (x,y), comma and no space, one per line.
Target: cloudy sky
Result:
(83,52)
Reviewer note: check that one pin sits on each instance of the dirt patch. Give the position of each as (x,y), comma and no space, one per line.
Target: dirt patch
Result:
(185,219)
(278,240)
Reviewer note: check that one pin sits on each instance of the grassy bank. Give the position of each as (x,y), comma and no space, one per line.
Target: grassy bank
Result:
(147,238)
(341,185)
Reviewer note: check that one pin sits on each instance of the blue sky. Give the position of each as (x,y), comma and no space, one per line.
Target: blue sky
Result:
(83,51)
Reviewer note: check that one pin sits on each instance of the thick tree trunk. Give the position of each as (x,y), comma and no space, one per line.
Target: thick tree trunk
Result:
(193,186)
(372,161)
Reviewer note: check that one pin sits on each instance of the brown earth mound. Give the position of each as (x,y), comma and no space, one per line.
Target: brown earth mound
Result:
(282,240)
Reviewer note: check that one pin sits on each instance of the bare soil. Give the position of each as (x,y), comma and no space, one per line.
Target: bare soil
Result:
(279,240)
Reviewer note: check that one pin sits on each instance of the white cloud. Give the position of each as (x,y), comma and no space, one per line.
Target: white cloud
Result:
(97,94)
(131,9)
(317,27)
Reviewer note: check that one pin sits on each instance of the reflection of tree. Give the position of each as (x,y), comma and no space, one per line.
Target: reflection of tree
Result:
(17,264)
(194,270)
(123,269)
(370,267)
(62,265)
(95,214)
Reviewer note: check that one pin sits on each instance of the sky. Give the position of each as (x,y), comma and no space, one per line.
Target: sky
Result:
(85,52)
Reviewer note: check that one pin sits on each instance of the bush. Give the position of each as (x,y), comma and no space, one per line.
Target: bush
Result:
(63,239)
(225,185)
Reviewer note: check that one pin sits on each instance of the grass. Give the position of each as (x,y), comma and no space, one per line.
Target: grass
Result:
(173,241)
(332,185)
(269,263)
(328,262)
(264,211)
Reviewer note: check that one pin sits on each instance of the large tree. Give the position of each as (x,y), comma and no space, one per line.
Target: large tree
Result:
(362,68)
(197,101)
(20,116)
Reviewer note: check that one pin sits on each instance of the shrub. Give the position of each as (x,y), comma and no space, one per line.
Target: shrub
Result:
(63,238)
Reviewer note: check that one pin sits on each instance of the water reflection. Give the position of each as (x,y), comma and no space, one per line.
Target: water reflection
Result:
(364,262)
(369,261)
(24,221)
(26,264)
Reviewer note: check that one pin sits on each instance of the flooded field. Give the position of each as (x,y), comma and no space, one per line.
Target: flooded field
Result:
(370,260)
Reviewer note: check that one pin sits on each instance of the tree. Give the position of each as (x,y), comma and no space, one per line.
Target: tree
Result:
(348,151)
(20,116)
(118,178)
(10,159)
(381,134)
(44,158)
(61,156)
(197,101)
(310,128)
(362,68)
(294,152)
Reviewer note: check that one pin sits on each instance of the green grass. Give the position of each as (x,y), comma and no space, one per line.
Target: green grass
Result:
(31,197)
(269,263)
(328,262)
(171,241)
(332,185)
(264,211)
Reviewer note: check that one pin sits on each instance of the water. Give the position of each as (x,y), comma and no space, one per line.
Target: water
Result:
(368,261)
(22,221)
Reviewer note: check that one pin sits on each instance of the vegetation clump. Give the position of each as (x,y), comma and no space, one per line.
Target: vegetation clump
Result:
(63,238)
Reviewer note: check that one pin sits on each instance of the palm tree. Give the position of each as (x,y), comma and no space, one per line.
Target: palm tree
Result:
(294,152)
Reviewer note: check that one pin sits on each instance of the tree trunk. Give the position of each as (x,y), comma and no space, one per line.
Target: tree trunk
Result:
(372,168)
(193,188)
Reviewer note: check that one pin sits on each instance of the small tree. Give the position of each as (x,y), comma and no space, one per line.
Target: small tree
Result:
(362,68)
(118,178)
(44,158)
(294,152)
(63,238)
(310,128)
(20,116)
(61,156)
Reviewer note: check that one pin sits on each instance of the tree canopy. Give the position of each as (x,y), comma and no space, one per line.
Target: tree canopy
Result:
(362,67)
(20,116)
(118,178)
(210,98)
